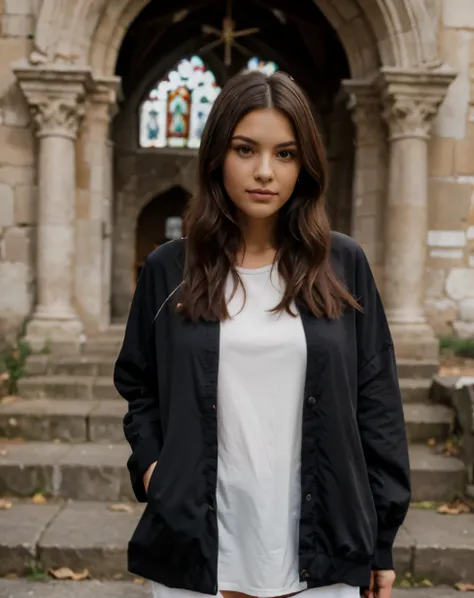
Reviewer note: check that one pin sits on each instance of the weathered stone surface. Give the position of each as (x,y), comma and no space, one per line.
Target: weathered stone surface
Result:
(95,472)
(105,421)
(92,589)
(444,545)
(448,215)
(458,14)
(418,369)
(103,388)
(28,468)
(403,548)
(20,530)
(466,309)
(427,421)
(46,420)
(19,7)
(18,245)
(56,386)
(441,157)
(16,144)
(460,283)
(26,197)
(89,535)
(6,205)
(434,476)
(414,390)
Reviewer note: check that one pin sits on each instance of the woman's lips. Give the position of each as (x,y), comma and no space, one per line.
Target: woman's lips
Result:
(261,195)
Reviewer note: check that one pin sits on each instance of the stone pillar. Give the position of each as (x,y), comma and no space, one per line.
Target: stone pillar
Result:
(411,100)
(370,172)
(55,98)
(94,206)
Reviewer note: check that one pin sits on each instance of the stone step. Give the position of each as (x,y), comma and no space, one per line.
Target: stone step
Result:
(89,535)
(124,589)
(425,422)
(76,420)
(102,387)
(102,346)
(93,471)
(415,390)
(72,387)
(77,365)
(412,368)
(65,420)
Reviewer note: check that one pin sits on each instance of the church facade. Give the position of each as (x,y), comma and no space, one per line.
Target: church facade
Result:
(102,104)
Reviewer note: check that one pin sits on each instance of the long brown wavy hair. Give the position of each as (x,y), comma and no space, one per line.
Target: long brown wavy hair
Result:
(303,230)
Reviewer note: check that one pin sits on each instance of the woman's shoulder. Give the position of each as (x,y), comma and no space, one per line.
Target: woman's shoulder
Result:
(167,254)
(345,248)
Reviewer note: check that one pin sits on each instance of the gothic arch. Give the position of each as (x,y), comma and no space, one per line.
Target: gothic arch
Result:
(373,32)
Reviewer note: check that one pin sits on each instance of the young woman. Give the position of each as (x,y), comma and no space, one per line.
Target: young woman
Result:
(264,412)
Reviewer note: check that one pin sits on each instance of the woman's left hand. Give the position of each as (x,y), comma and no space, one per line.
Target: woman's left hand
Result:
(381,583)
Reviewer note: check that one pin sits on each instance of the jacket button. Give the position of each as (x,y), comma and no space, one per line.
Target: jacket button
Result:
(309,497)
(312,401)
(304,574)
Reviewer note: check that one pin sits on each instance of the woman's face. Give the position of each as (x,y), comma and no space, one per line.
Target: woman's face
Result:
(262,164)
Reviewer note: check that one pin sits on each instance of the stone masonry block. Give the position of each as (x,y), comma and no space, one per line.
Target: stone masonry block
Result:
(26,199)
(449,204)
(464,153)
(17,25)
(460,283)
(19,7)
(16,145)
(22,526)
(6,205)
(458,14)
(15,295)
(17,245)
(441,157)
(17,175)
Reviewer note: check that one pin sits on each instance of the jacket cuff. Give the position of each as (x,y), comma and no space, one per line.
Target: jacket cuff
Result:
(145,453)
(383,558)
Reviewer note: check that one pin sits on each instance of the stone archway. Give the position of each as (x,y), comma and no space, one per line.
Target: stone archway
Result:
(392,53)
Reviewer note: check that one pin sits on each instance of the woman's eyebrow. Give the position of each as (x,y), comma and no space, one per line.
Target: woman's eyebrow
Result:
(253,142)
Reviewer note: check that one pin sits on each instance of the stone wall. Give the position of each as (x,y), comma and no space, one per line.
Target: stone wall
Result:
(17,172)
(450,273)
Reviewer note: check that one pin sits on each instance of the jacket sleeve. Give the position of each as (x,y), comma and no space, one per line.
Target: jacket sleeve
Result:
(380,417)
(136,379)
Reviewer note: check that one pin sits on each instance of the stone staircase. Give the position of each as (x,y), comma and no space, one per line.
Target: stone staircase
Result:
(64,439)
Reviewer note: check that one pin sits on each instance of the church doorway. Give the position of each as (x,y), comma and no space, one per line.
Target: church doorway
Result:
(159,222)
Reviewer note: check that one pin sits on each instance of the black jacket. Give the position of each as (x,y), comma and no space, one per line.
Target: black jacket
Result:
(355,486)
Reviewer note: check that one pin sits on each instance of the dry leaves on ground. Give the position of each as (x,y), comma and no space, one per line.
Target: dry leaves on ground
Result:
(458,507)
(66,573)
(121,508)
(5,504)
(39,499)
(9,399)
(431,442)
(464,587)
(139,580)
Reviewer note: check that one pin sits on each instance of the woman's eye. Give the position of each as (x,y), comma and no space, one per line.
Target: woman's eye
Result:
(244,150)
(286,154)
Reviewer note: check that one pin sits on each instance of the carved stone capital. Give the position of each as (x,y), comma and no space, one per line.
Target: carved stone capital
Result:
(411,99)
(55,97)
(57,116)
(364,105)
(103,97)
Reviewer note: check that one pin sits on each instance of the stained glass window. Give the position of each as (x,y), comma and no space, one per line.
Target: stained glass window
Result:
(176,109)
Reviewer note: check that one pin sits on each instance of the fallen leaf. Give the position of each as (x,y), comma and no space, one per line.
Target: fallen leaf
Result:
(13,422)
(66,573)
(38,499)
(139,580)
(424,504)
(427,583)
(3,453)
(5,504)
(431,442)
(121,508)
(9,399)
(57,441)
(464,587)
(11,576)
(456,508)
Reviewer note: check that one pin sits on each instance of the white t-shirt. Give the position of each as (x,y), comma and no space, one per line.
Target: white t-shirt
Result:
(262,369)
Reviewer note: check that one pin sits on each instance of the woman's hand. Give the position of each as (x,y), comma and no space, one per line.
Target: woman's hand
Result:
(147,476)
(381,583)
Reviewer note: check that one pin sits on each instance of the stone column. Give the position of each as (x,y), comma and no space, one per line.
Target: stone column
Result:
(94,206)
(370,172)
(411,100)
(55,98)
